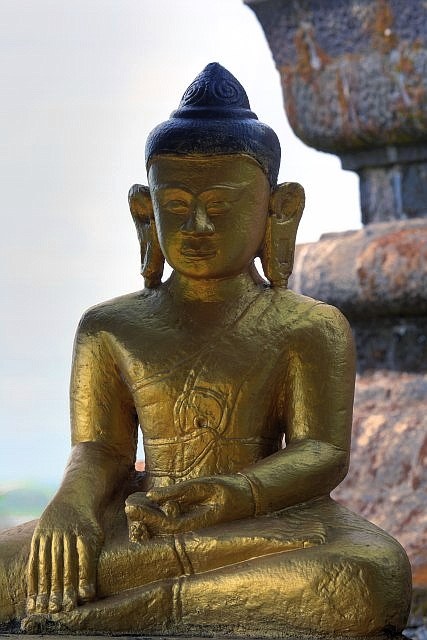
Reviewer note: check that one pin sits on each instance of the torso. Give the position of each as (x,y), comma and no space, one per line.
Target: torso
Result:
(207,400)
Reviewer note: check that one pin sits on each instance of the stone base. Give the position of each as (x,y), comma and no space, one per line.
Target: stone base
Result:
(13,636)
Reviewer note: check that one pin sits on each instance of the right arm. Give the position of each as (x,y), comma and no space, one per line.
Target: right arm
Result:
(68,537)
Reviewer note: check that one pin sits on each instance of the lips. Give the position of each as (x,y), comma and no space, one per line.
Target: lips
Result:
(197,248)
(198,254)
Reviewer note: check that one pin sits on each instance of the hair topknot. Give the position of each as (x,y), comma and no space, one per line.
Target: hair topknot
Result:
(214,117)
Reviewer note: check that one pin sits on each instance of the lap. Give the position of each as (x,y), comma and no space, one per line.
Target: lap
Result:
(318,543)
(316,565)
(319,536)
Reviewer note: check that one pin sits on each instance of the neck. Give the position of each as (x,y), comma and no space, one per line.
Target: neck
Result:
(187,289)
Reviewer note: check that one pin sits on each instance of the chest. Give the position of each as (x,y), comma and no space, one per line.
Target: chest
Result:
(225,382)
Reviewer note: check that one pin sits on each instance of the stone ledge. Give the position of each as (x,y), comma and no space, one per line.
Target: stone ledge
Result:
(380,270)
(383,156)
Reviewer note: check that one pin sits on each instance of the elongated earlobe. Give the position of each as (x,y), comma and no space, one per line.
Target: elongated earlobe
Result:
(277,253)
(152,259)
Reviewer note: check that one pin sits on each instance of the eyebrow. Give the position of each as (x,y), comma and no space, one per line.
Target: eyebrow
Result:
(183,187)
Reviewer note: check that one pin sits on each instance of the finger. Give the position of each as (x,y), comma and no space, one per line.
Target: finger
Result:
(33,575)
(152,517)
(88,560)
(57,573)
(136,504)
(171,509)
(186,493)
(162,494)
(138,532)
(42,599)
(69,599)
(138,498)
(202,516)
(139,511)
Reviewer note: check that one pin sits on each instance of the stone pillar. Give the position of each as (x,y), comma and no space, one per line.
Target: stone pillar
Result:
(354,80)
(392,179)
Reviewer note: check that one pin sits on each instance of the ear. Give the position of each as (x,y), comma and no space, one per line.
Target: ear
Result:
(140,203)
(277,253)
(152,260)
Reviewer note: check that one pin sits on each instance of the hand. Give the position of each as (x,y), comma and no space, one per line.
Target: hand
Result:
(191,505)
(63,559)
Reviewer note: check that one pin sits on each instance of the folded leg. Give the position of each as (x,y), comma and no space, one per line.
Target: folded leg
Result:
(316,567)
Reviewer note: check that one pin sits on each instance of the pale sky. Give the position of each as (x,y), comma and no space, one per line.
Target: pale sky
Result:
(82,83)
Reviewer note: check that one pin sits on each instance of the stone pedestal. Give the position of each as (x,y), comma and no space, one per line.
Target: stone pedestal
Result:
(189,637)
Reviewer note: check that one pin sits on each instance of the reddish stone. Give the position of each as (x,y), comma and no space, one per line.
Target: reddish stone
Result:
(377,271)
(394,266)
(140,465)
(387,482)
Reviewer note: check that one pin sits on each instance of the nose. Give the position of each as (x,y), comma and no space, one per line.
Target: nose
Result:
(198,222)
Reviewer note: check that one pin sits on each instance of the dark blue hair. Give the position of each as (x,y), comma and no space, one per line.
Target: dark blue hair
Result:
(214,117)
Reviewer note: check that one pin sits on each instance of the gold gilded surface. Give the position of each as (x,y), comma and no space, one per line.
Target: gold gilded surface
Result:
(227,530)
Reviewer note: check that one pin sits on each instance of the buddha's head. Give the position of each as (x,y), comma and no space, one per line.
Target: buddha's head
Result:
(213,199)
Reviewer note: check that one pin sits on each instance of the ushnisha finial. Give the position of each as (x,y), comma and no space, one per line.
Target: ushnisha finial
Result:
(215,92)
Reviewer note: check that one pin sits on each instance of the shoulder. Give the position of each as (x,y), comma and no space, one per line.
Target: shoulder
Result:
(114,313)
(324,317)
(288,304)
(308,320)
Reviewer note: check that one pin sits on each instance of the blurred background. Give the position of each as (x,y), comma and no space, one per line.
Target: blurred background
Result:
(83,82)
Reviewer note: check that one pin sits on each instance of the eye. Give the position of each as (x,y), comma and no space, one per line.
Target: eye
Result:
(177,206)
(216,207)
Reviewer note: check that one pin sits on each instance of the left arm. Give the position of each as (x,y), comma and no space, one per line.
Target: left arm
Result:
(317,407)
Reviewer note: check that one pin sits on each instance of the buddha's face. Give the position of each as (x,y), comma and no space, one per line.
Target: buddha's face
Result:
(210,212)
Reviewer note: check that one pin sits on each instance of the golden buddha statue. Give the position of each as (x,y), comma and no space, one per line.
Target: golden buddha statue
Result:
(243,391)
